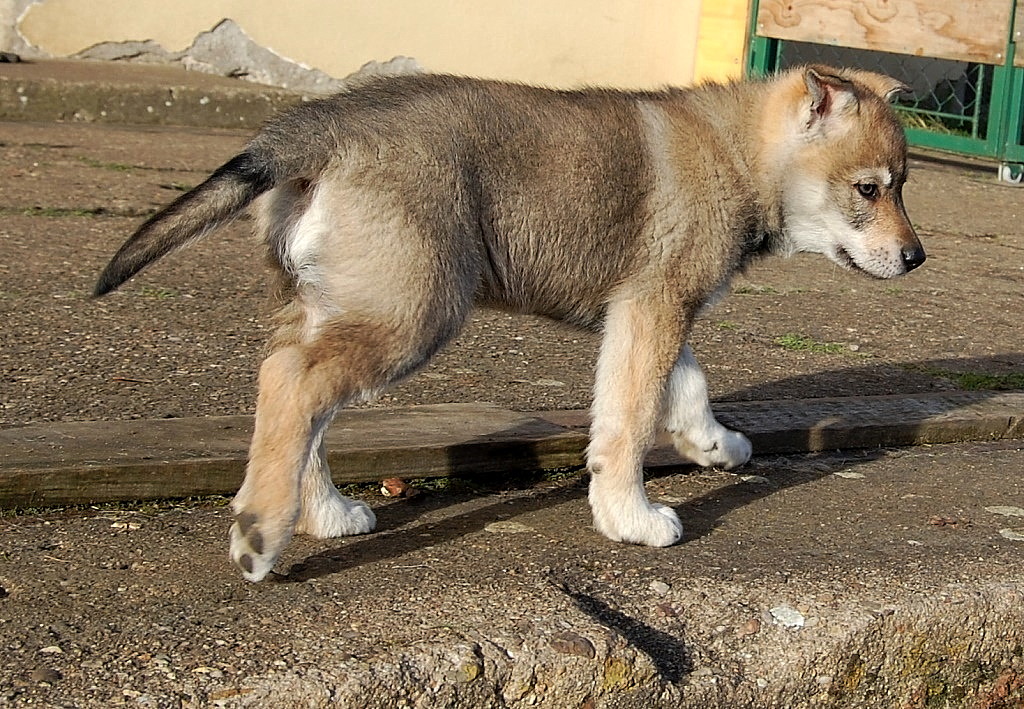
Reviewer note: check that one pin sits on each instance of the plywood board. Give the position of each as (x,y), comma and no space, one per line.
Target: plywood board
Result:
(721,40)
(963,30)
(102,461)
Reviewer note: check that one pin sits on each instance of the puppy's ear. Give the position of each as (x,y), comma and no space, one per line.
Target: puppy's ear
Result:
(830,96)
(886,87)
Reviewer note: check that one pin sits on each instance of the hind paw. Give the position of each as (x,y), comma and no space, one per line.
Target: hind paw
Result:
(335,516)
(255,546)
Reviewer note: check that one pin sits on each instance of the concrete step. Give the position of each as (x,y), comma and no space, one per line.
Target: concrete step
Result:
(144,94)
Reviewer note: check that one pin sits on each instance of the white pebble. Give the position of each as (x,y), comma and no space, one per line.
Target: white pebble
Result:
(787,616)
(659,587)
(1006,510)
(1014,535)
(755,479)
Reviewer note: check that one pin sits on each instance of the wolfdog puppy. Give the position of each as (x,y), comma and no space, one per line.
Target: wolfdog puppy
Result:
(391,209)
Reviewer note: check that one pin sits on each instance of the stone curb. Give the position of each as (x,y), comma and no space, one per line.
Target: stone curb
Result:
(90,462)
(115,92)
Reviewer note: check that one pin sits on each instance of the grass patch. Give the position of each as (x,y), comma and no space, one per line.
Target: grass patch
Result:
(99,164)
(176,186)
(979,381)
(157,292)
(56,212)
(973,381)
(802,343)
(473,484)
(124,167)
(74,212)
(755,290)
(144,507)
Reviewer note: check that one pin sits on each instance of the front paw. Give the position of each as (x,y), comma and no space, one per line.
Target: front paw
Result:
(644,523)
(726,449)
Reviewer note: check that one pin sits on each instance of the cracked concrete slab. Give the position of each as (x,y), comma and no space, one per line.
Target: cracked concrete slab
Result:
(874,578)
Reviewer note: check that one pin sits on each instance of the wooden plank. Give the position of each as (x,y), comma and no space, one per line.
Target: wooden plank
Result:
(963,30)
(86,462)
(721,40)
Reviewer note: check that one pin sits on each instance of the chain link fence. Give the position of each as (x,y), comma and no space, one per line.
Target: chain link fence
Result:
(946,97)
(959,105)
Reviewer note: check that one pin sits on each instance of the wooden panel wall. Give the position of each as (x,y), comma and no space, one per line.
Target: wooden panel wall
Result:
(964,30)
(722,40)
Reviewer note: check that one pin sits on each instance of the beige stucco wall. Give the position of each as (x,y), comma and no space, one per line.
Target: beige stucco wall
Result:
(632,43)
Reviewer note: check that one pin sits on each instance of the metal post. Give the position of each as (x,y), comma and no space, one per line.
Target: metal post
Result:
(1012,169)
(763,58)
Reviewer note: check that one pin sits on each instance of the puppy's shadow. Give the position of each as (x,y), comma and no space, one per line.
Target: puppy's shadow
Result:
(703,514)
(494,462)
(403,535)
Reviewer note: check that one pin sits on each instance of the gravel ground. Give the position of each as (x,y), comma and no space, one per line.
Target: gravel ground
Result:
(185,338)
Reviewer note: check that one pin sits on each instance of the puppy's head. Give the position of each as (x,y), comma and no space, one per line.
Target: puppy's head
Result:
(843,160)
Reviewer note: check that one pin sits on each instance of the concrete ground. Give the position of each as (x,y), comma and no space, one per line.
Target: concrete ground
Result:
(833,571)
(882,579)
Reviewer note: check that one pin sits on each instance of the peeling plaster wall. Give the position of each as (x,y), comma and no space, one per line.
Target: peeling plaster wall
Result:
(571,42)
(11,40)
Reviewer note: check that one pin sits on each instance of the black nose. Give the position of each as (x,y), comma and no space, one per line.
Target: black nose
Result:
(912,257)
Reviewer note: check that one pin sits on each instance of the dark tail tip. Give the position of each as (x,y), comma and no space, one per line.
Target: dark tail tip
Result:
(201,210)
(103,286)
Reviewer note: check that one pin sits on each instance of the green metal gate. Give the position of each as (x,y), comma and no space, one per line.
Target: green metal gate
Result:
(968,93)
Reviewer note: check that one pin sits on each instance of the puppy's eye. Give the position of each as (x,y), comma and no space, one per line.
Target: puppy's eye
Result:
(868,190)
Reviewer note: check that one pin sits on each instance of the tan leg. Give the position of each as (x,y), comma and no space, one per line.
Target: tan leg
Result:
(374,297)
(300,387)
(688,417)
(641,343)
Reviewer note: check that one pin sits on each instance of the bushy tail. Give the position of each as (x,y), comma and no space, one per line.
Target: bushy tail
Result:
(214,203)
